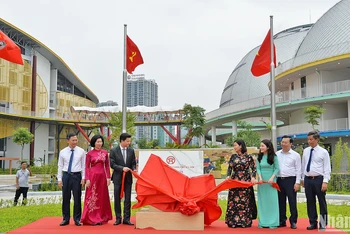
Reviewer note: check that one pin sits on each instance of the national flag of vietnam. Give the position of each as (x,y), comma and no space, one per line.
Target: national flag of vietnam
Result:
(262,61)
(9,50)
(133,55)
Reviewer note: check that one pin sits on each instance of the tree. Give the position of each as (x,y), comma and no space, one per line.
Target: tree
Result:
(268,125)
(22,136)
(193,120)
(115,123)
(313,114)
(246,133)
(143,144)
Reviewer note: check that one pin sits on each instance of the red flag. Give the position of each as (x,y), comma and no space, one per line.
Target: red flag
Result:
(262,61)
(133,55)
(9,50)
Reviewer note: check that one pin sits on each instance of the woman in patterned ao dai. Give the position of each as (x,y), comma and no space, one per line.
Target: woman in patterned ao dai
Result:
(241,206)
(97,206)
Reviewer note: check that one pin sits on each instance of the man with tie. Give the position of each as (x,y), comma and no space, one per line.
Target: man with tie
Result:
(71,178)
(122,160)
(289,181)
(316,171)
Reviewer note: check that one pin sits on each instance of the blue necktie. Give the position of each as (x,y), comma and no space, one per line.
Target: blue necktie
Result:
(309,162)
(70,162)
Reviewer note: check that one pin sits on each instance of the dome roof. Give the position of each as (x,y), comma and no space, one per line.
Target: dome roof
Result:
(242,85)
(330,36)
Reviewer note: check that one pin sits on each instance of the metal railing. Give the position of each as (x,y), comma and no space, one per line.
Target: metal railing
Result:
(286,96)
(326,125)
(142,118)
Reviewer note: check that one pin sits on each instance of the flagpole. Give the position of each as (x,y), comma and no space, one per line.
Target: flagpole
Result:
(272,80)
(124,84)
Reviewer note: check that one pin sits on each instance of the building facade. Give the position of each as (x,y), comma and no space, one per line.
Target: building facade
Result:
(313,64)
(142,92)
(57,89)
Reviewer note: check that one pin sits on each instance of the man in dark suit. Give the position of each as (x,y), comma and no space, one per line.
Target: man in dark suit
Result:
(122,160)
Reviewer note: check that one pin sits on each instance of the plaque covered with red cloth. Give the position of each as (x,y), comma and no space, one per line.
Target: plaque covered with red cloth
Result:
(169,190)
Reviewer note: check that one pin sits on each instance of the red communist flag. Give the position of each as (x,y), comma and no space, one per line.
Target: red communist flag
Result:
(133,55)
(9,50)
(262,61)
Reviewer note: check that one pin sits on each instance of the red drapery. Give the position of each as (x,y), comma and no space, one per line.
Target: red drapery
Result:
(166,189)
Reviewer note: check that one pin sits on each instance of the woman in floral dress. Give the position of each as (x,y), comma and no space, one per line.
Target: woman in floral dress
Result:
(97,206)
(241,206)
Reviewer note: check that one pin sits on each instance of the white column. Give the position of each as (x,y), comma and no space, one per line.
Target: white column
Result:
(348,114)
(234,128)
(213,135)
(202,141)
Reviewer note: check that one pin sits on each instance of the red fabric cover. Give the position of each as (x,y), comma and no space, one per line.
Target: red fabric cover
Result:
(166,189)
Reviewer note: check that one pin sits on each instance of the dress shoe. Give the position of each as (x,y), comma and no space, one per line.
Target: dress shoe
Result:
(312,227)
(77,223)
(293,225)
(127,222)
(64,223)
(97,224)
(117,222)
(282,225)
(322,228)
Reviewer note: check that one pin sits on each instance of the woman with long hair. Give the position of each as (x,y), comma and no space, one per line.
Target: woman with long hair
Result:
(267,168)
(241,206)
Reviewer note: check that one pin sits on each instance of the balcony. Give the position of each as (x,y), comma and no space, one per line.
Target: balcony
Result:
(281,97)
(326,125)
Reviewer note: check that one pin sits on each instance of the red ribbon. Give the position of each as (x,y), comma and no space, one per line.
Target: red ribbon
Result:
(122,188)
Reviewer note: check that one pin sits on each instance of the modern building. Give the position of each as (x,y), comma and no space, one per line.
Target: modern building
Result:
(313,68)
(142,92)
(55,87)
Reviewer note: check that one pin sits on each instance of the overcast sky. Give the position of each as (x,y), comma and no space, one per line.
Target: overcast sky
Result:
(190,47)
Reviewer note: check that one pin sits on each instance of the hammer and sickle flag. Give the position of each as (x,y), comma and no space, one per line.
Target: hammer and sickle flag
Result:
(133,55)
(9,50)
(262,61)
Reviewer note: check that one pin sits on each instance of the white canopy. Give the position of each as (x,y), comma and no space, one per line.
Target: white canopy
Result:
(135,109)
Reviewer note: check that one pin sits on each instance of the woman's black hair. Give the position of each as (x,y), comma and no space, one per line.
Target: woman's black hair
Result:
(241,143)
(95,138)
(270,152)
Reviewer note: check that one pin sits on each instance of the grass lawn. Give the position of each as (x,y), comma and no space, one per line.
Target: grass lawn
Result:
(14,217)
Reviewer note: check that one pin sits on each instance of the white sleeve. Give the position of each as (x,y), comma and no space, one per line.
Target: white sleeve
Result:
(326,167)
(298,168)
(60,166)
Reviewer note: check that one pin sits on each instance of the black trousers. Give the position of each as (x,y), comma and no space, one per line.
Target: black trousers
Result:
(312,189)
(21,190)
(286,185)
(127,201)
(71,184)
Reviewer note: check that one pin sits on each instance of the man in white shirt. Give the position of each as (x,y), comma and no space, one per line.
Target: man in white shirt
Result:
(288,181)
(316,171)
(71,178)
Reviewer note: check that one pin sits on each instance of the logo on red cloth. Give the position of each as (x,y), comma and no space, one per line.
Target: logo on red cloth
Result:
(170,160)
(2,44)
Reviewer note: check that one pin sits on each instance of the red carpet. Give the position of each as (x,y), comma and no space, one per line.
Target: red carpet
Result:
(50,225)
